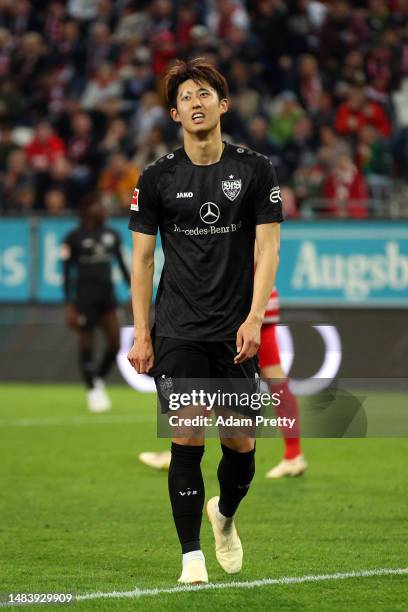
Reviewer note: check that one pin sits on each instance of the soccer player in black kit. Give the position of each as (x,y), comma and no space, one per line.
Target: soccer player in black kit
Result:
(211,202)
(88,253)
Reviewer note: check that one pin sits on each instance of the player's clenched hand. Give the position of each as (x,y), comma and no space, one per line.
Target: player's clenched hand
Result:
(248,340)
(141,355)
(71,316)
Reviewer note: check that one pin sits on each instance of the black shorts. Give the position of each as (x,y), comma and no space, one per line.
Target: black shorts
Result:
(183,365)
(91,307)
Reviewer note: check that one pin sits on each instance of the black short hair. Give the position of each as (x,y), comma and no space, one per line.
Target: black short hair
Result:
(198,70)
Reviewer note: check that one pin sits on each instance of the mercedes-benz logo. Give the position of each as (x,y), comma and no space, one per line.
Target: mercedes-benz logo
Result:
(209,212)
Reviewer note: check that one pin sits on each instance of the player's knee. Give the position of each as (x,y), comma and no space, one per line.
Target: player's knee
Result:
(239,445)
(188,441)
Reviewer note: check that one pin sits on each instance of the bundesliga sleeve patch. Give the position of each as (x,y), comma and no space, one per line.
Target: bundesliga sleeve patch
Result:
(134,205)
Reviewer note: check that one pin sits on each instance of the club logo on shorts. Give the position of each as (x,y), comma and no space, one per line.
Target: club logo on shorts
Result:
(275,195)
(231,188)
(165,385)
(209,212)
(134,205)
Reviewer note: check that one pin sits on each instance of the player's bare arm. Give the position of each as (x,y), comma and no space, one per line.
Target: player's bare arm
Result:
(267,259)
(141,354)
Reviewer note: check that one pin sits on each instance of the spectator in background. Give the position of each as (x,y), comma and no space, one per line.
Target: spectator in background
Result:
(357,111)
(151,149)
(245,98)
(309,179)
(55,202)
(14,177)
(346,190)
(186,20)
(84,10)
(60,178)
(69,50)
(325,112)
(12,103)
(260,141)
(101,49)
(7,144)
(44,149)
(161,13)
(284,118)
(133,23)
(138,79)
(332,144)
(29,61)
(103,91)
(150,114)
(378,18)
(299,148)
(115,140)
(224,15)
(6,46)
(310,85)
(337,37)
(373,152)
(22,200)
(22,18)
(373,158)
(53,26)
(164,50)
(117,181)
(81,150)
(352,73)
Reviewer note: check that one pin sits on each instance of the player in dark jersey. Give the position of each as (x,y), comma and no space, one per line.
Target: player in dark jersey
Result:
(88,253)
(211,201)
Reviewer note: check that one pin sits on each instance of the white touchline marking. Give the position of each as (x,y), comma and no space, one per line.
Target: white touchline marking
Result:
(137,593)
(78,420)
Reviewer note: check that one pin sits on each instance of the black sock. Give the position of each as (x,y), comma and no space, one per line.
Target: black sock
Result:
(235,473)
(186,490)
(107,362)
(87,367)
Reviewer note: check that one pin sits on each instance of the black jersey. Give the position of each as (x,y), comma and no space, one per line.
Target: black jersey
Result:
(207,217)
(87,256)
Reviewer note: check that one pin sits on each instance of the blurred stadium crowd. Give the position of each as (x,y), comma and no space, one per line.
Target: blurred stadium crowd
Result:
(320,87)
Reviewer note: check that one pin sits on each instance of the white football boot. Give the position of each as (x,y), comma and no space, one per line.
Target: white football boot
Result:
(105,399)
(158,461)
(288,467)
(228,547)
(97,399)
(194,572)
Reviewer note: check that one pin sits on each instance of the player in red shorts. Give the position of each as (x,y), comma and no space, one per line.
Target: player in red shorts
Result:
(293,462)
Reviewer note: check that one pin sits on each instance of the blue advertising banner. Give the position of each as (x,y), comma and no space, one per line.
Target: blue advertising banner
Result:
(15,254)
(344,263)
(323,263)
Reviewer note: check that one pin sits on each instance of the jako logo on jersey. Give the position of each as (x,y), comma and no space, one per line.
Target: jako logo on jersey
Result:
(134,205)
(231,188)
(184,194)
(275,196)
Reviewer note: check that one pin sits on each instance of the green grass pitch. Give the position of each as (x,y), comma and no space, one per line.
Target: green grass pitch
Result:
(80,513)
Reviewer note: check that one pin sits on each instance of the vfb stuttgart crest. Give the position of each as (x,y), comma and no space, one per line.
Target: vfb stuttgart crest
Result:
(231,188)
